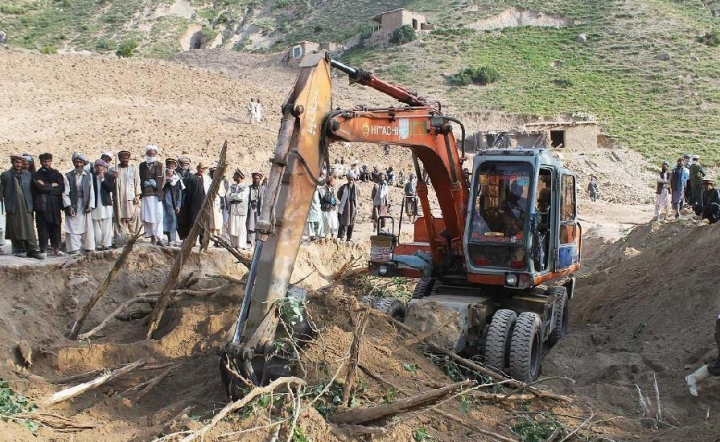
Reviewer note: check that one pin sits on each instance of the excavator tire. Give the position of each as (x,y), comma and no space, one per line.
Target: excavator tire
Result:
(423,288)
(368,300)
(391,307)
(526,348)
(561,315)
(497,342)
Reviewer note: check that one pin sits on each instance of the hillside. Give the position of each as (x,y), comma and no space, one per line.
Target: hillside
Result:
(640,72)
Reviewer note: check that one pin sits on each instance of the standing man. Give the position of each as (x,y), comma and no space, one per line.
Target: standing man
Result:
(237,197)
(79,202)
(258,111)
(411,201)
(697,173)
(712,369)
(172,200)
(49,187)
(217,220)
(254,203)
(328,206)
(127,198)
(102,214)
(662,191)
(592,188)
(183,167)
(348,195)
(152,179)
(196,187)
(16,196)
(678,177)
(314,219)
(380,194)
(250,107)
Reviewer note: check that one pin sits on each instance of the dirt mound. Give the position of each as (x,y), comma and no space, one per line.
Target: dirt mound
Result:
(645,311)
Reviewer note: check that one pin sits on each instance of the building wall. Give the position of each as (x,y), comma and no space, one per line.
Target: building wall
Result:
(583,137)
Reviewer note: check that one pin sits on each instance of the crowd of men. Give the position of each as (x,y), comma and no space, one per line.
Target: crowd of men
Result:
(334,210)
(101,205)
(686,184)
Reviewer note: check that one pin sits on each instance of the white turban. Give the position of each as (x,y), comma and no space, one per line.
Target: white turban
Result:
(150,147)
(80,156)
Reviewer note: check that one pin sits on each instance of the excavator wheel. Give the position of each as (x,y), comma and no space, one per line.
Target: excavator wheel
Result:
(561,315)
(423,288)
(391,307)
(497,342)
(368,300)
(526,348)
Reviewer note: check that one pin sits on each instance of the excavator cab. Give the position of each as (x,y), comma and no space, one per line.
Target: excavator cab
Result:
(522,220)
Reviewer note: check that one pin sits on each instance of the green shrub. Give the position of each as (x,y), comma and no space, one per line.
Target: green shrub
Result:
(103,44)
(12,9)
(482,75)
(710,39)
(48,50)
(403,34)
(127,48)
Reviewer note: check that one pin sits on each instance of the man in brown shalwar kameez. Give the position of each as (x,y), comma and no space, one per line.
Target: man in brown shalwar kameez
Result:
(127,198)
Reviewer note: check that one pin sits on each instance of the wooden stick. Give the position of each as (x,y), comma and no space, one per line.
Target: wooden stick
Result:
(187,247)
(242,259)
(146,386)
(470,364)
(354,356)
(94,373)
(554,435)
(100,291)
(69,393)
(57,422)
(229,408)
(369,414)
(228,278)
(117,311)
(474,427)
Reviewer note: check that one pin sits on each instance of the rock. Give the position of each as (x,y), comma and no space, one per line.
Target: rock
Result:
(581,38)
(77,281)
(663,57)
(25,350)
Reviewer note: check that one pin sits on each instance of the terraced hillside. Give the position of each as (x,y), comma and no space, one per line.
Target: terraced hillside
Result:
(637,66)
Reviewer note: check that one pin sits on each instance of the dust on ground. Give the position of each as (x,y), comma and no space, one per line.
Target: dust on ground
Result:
(642,311)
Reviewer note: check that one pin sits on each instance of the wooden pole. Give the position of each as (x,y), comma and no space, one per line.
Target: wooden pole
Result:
(69,393)
(187,246)
(100,291)
(370,414)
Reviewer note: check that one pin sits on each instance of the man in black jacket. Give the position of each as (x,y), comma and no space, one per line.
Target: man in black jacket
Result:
(49,186)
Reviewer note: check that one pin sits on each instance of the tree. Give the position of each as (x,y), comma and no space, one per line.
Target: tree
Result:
(479,75)
(403,34)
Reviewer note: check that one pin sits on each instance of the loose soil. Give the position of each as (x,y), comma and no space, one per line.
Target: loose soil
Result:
(642,313)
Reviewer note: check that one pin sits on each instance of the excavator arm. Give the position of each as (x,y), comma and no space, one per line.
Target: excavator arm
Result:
(308,125)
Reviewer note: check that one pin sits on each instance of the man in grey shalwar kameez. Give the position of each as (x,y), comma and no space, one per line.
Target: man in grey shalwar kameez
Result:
(254,203)
(348,195)
(16,196)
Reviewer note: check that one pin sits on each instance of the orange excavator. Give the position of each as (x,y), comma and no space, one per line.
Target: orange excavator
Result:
(495,269)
